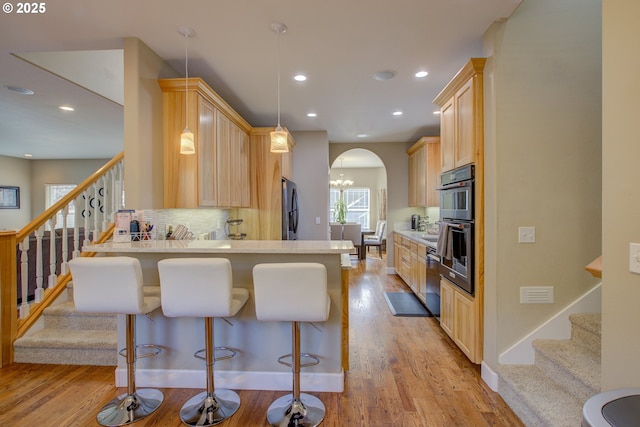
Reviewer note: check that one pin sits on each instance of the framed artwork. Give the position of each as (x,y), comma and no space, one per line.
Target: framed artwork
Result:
(9,197)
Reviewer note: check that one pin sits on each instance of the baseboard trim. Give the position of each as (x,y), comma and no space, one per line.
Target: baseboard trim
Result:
(391,270)
(558,327)
(489,376)
(236,380)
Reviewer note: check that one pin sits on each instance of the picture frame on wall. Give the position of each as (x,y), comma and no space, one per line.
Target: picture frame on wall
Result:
(9,197)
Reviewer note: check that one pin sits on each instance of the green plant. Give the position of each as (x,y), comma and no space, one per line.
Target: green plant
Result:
(340,211)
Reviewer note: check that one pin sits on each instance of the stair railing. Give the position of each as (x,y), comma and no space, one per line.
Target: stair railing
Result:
(93,204)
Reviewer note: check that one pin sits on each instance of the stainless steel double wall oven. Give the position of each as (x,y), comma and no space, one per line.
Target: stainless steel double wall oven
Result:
(457,215)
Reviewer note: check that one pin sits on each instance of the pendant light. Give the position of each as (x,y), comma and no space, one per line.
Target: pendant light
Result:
(279,137)
(187,145)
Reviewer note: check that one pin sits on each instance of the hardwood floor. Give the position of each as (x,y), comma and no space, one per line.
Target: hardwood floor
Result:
(405,372)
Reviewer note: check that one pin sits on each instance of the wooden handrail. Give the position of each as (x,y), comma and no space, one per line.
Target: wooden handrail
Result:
(75,193)
(595,267)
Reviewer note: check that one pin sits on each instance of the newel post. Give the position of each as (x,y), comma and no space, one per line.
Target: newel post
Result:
(8,296)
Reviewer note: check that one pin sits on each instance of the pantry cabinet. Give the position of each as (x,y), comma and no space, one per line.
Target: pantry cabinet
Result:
(459,318)
(218,174)
(461,116)
(424,172)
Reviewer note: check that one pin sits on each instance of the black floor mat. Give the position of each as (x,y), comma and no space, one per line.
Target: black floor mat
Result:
(405,304)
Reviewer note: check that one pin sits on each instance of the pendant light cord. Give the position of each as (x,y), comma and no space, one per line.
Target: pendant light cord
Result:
(186,79)
(279,32)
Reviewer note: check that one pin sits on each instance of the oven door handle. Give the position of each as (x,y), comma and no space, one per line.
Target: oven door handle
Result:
(453,225)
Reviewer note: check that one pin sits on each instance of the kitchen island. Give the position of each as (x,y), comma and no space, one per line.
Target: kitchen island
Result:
(259,344)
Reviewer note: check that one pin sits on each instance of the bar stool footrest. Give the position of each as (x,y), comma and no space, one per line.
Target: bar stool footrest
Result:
(154,350)
(314,360)
(227,353)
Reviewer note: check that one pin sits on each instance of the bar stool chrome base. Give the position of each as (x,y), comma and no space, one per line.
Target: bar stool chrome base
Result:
(308,411)
(127,409)
(205,409)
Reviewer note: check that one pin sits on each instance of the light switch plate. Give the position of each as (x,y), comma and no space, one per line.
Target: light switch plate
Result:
(634,257)
(526,235)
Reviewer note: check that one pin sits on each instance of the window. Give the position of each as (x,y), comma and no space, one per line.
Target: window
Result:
(357,200)
(55,192)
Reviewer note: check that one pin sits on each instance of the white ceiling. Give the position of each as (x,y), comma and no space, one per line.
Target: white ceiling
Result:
(338,44)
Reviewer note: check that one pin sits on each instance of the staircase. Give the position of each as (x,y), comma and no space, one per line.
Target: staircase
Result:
(552,391)
(70,337)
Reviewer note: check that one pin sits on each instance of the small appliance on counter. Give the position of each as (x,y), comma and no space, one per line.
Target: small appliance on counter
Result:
(415,221)
(232,222)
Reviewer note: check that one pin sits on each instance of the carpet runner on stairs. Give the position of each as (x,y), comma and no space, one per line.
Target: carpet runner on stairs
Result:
(70,338)
(565,373)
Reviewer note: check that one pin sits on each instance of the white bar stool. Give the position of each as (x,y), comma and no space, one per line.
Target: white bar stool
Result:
(203,287)
(293,292)
(114,285)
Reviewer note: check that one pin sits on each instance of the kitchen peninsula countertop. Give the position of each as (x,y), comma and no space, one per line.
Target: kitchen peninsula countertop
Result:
(226,246)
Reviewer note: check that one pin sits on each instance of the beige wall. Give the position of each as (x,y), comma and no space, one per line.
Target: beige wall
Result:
(543,161)
(621,197)
(311,175)
(15,172)
(143,125)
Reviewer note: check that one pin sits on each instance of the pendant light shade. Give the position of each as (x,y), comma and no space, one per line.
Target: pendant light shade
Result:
(279,137)
(187,143)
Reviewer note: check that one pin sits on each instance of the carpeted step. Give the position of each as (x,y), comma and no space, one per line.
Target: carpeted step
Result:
(68,347)
(570,365)
(536,399)
(65,316)
(586,330)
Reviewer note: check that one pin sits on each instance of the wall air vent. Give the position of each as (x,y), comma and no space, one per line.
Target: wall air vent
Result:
(536,295)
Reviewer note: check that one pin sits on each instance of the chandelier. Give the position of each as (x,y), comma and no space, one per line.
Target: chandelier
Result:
(341,183)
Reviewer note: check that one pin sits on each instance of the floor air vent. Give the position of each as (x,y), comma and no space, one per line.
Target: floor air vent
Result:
(536,295)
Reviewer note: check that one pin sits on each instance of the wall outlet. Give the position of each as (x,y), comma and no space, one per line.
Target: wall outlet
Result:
(634,258)
(526,235)
(317,220)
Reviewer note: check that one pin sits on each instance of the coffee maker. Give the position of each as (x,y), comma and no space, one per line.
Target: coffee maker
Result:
(415,221)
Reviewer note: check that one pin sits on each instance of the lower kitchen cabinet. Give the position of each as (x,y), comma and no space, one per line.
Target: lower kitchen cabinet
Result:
(421,273)
(460,319)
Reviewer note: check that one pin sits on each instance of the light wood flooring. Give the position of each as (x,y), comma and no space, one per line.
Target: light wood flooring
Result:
(404,372)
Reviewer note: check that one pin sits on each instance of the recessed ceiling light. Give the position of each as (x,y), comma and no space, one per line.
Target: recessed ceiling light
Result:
(384,75)
(300,77)
(66,108)
(421,74)
(437,112)
(28,155)
(312,115)
(20,90)
(362,135)
(397,113)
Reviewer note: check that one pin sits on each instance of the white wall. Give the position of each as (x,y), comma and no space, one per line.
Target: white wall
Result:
(543,161)
(311,175)
(16,172)
(621,197)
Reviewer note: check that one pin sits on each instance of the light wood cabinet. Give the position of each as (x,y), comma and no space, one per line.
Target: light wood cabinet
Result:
(424,172)
(397,240)
(218,174)
(421,273)
(461,116)
(459,319)
(410,263)
(264,220)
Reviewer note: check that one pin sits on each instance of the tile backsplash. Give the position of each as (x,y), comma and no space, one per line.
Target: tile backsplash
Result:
(199,221)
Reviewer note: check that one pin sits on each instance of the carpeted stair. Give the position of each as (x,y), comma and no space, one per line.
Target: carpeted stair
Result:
(70,337)
(552,391)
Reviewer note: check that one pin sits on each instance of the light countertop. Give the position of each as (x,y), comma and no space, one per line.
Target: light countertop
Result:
(226,246)
(420,237)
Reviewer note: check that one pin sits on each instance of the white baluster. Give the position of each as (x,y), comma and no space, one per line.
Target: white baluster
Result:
(86,213)
(53,277)
(113,193)
(76,229)
(94,212)
(24,279)
(39,294)
(65,241)
(102,206)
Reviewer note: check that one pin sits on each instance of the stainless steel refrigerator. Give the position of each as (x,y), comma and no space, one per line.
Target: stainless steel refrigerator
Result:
(290,212)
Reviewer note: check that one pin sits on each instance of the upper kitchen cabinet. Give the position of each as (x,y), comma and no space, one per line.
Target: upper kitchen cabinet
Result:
(461,116)
(424,172)
(218,175)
